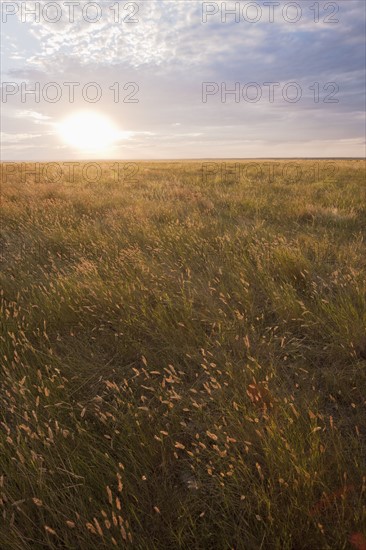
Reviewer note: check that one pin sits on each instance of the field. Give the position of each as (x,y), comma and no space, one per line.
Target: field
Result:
(183,357)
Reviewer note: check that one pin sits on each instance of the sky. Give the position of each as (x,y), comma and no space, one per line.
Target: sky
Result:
(158,74)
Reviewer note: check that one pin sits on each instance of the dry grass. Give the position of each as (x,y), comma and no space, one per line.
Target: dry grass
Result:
(183,361)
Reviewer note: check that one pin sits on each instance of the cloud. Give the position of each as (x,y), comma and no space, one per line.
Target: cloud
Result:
(173,33)
(170,52)
(38,118)
(16,138)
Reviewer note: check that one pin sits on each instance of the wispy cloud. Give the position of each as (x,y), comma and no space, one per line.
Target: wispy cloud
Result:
(170,52)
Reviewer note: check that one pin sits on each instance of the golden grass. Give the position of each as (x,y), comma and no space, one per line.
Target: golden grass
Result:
(183,359)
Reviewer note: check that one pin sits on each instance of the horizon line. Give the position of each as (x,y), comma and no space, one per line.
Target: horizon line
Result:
(177,159)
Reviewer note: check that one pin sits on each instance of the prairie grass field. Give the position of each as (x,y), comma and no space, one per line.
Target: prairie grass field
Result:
(183,357)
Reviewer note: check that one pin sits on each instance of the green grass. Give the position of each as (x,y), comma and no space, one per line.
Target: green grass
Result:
(183,360)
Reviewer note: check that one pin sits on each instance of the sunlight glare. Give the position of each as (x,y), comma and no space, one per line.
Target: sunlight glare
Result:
(89,131)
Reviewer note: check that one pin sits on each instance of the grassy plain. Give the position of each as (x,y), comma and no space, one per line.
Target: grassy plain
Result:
(183,356)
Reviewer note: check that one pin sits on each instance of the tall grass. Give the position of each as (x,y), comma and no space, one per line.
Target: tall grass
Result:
(183,361)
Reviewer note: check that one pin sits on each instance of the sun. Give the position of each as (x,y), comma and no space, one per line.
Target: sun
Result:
(89,130)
